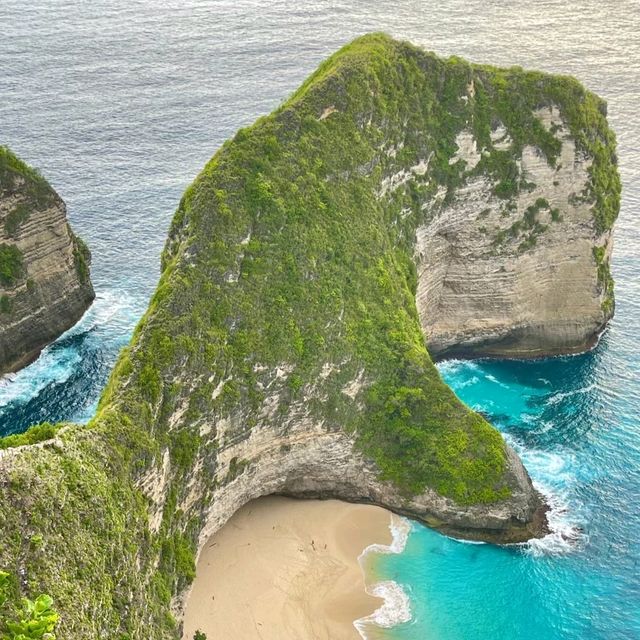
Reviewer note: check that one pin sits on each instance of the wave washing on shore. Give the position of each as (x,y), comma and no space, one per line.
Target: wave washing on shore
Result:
(554,472)
(554,477)
(396,607)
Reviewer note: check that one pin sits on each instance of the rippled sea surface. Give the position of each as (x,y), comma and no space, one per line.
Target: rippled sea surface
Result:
(121,103)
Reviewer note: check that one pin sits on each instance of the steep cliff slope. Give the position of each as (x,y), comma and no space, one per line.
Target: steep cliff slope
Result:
(44,269)
(518,263)
(283,350)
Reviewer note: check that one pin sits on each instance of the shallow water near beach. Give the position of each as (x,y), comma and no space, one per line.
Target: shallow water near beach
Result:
(120,104)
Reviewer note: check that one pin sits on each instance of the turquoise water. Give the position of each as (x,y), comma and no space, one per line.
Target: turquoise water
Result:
(120,103)
(574,422)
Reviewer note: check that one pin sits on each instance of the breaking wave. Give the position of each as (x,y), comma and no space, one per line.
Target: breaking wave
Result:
(396,606)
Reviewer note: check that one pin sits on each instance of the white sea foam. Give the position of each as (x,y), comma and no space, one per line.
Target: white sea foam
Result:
(462,541)
(552,474)
(454,365)
(495,380)
(50,367)
(56,365)
(529,418)
(396,607)
(561,395)
(467,383)
(566,535)
(400,529)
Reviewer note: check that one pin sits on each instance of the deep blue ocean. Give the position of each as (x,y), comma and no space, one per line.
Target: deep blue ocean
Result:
(120,103)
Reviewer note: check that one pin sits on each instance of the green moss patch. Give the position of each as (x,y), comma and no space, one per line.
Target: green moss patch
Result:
(11,264)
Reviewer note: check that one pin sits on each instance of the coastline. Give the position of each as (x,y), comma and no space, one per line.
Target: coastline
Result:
(285,569)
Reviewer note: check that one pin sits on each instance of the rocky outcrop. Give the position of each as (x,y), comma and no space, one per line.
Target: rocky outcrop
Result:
(520,277)
(285,349)
(44,268)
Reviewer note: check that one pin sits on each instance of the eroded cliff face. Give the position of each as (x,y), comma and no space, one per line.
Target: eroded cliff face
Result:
(44,273)
(516,277)
(285,349)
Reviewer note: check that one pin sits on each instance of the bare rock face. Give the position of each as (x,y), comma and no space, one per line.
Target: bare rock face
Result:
(307,461)
(520,277)
(44,268)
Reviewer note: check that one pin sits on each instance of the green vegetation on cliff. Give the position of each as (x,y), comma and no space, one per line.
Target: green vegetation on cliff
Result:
(36,433)
(11,264)
(30,620)
(81,258)
(12,169)
(44,276)
(287,292)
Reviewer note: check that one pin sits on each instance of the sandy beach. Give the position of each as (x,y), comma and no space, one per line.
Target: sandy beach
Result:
(284,569)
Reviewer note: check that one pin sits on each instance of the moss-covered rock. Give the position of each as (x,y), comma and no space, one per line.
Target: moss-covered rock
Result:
(282,350)
(44,268)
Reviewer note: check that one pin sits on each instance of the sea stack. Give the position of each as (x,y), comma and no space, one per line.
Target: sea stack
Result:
(285,350)
(44,268)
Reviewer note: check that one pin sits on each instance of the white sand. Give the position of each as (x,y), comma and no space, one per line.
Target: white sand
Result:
(284,569)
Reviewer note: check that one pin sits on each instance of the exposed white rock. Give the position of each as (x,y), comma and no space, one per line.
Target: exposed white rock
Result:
(392,182)
(467,150)
(153,485)
(327,112)
(353,388)
(500,138)
(482,297)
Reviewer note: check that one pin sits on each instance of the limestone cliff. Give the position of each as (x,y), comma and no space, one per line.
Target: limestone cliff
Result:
(525,276)
(284,351)
(44,273)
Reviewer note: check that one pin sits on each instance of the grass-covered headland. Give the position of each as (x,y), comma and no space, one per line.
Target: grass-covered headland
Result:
(288,274)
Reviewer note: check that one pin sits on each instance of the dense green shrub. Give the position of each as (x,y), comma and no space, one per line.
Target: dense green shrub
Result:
(6,306)
(30,620)
(11,264)
(34,434)
(605,280)
(37,188)
(81,258)
(19,214)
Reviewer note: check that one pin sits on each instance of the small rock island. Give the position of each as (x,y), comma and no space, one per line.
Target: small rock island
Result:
(398,203)
(44,268)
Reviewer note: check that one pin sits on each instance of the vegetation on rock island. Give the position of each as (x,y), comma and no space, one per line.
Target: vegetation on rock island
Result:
(30,619)
(292,252)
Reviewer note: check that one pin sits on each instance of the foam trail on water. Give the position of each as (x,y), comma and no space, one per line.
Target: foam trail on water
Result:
(552,474)
(50,367)
(566,535)
(453,366)
(561,395)
(396,607)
